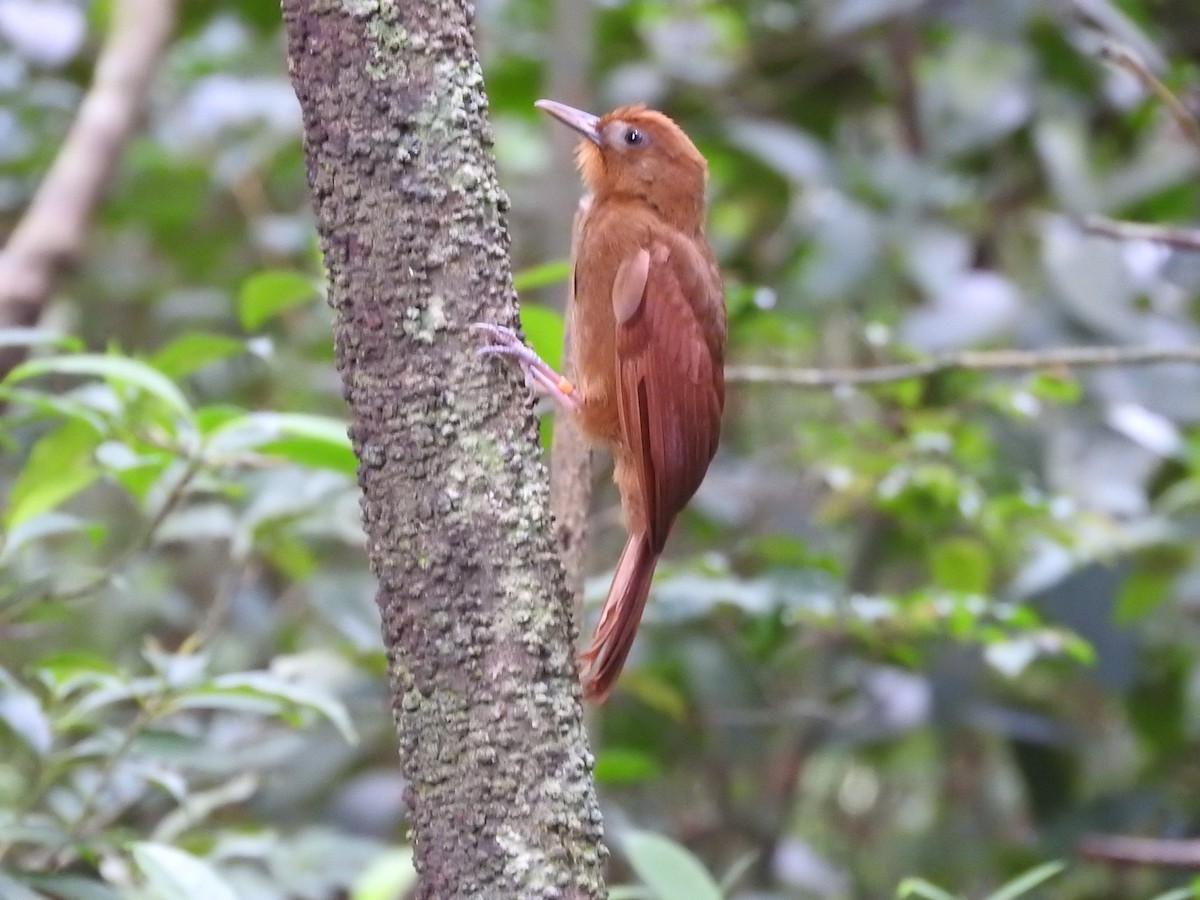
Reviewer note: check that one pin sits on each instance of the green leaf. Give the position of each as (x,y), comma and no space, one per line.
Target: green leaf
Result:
(11,889)
(1055,388)
(269,687)
(41,527)
(119,369)
(191,352)
(792,552)
(60,671)
(314,452)
(173,874)
(669,869)
(657,693)
(1190,892)
(919,887)
(1078,649)
(72,887)
(98,694)
(1023,884)
(202,804)
(22,712)
(136,472)
(214,416)
(232,700)
(266,294)
(51,406)
(542,275)
(172,747)
(177,670)
(32,831)
(389,875)
(284,550)
(311,440)
(60,465)
(740,867)
(1143,591)
(544,327)
(623,765)
(906,392)
(961,564)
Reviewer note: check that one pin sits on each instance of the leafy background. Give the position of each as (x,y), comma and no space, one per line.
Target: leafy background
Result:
(927,633)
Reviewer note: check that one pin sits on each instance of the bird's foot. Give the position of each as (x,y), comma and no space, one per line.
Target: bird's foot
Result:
(540,377)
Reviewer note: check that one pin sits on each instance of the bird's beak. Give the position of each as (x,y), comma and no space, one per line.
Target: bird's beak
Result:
(583,122)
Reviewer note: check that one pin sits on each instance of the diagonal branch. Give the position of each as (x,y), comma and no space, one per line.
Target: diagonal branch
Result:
(1126,59)
(968,361)
(1178,238)
(51,235)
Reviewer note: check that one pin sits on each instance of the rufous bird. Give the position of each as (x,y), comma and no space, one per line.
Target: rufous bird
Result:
(647,329)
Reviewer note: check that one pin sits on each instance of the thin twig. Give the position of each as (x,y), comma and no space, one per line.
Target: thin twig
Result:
(903,46)
(9,611)
(1141,851)
(967,361)
(230,582)
(88,821)
(1179,238)
(1129,61)
(52,232)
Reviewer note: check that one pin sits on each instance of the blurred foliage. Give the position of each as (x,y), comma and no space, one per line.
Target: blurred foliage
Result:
(923,633)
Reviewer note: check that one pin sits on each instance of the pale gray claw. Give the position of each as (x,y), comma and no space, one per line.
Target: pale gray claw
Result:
(539,376)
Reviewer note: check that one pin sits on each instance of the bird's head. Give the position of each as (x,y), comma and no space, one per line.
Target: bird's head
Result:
(641,154)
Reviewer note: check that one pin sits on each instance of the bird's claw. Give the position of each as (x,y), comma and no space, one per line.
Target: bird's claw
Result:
(502,334)
(540,377)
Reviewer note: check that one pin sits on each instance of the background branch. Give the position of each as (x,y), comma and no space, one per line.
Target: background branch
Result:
(51,235)
(569,80)
(1126,59)
(1140,851)
(571,466)
(1179,238)
(971,360)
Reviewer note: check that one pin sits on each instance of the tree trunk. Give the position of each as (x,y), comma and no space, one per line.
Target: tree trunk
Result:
(476,617)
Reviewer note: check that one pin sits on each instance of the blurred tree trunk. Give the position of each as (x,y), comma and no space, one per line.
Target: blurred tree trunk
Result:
(568,67)
(52,233)
(476,616)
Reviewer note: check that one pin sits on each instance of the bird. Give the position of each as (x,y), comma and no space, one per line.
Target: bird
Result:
(648,329)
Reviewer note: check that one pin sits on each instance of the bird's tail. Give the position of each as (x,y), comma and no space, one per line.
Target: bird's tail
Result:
(619,618)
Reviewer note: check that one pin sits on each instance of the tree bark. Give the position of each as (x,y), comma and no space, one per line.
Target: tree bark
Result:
(476,615)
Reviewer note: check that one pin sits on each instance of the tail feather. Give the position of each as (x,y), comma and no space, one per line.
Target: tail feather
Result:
(619,618)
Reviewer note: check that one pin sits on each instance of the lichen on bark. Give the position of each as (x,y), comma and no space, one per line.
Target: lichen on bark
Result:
(476,617)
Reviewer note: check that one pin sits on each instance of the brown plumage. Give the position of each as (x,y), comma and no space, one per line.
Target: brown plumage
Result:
(648,342)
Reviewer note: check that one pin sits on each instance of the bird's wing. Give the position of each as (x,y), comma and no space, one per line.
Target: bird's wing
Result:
(671,388)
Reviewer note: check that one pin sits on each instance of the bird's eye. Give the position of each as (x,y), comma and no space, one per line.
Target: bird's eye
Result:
(634,138)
